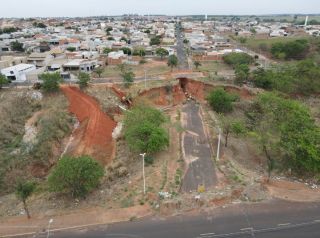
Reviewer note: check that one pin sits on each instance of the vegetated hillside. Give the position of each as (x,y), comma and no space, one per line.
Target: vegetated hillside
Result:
(31,132)
(285,48)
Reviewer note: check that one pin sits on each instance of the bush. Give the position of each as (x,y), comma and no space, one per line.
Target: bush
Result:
(76,176)
(155,40)
(143,132)
(238,59)
(50,82)
(84,79)
(291,50)
(221,101)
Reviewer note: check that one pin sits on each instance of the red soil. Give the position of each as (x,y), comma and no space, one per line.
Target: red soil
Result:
(94,136)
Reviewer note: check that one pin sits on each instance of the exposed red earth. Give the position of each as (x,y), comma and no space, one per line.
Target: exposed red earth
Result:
(94,136)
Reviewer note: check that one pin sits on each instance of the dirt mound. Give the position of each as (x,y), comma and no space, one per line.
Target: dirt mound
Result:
(94,136)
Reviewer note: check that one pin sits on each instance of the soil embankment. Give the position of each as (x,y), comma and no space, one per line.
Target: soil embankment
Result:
(94,136)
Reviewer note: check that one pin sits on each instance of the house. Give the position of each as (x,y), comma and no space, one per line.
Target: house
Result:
(116,57)
(82,65)
(39,59)
(18,72)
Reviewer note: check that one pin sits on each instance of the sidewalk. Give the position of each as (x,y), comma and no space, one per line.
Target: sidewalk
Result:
(93,216)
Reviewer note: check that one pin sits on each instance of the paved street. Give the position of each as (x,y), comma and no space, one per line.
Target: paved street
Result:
(181,54)
(265,220)
(196,150)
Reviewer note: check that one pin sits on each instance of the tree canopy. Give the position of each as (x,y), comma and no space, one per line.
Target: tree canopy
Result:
(221,101)
(3,80)
(162,52)
(172,61)
(290,50)
(75,176)
(51,81)
(235,59)
(143,130)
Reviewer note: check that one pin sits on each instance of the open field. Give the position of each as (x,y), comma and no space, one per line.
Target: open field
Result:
(152,68)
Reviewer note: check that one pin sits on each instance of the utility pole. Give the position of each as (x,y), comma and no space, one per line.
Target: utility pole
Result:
(145,79)
(50,221)
(219,142)
(144,178)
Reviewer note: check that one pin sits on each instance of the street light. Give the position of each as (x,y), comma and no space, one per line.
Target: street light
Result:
(144,179)
(145,79)
(50,221)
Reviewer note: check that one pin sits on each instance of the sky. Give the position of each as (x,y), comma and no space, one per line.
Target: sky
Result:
(72,8)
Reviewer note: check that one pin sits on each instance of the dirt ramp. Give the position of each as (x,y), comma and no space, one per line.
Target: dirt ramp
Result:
(94,136)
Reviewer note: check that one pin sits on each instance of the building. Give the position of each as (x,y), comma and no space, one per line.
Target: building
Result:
(82,65)
(18,72)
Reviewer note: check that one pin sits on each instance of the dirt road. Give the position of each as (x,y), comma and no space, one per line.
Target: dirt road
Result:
(94,136)
(196,150)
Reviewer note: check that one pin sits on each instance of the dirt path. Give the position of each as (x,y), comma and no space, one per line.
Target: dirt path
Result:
(94,136)
(196,151)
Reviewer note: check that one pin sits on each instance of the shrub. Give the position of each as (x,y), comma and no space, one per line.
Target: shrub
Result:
(76,176)
(50,82)
(84,79)
(221,101)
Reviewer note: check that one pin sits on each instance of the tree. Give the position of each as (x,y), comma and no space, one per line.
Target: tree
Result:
(23,192)
(231,126)
(107,50)
(143,131)
(242,73)
(234,59)
(17,46)
(109,28)
(84,79)
(290,50)
(221,101)
(71,49)
(147,31)
(287,133)
(197,64)
(162,52)
(185,41)
(110,38)
(39,25)
(172,61)
(126,50)
(75,176)
(139,52)
(51,81)
(155,40)
(3,80)
(124,39)
(98,71)
(128,77)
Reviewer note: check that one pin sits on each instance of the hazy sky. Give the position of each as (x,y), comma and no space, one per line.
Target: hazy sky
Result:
(42,8)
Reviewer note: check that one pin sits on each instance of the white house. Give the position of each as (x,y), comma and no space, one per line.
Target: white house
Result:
(18,72)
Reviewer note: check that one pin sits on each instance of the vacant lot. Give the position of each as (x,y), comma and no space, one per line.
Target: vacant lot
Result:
(152,67)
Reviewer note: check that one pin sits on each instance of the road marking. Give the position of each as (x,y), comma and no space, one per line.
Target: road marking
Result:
(246,229)
(284,224)
(207,234)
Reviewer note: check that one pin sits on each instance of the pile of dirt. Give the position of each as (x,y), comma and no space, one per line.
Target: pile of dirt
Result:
(94,136)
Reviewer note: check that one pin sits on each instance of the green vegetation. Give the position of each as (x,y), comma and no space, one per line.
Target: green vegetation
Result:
(231,126)
(3,80)
(124,39)
(110,38)
(98,71)
(162,52)
(126,74)
(286,133)
(155,40)
(107,50)
(39,25)
(109,28)
(235,59)
(172,61)
(185,41)
(50,81)
(23,192)
(143,131)
(299,78)
(8,30)
(84,79)
(17,46)
(242,73)
(197,64)
(71,49)
(76,176)
(126,50)
(221,101)
(290,50)
(139,52)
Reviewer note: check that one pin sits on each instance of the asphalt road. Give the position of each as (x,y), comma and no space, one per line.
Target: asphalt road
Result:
(181,54)
(196,150)
(265,220)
